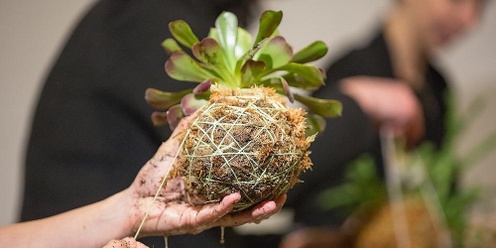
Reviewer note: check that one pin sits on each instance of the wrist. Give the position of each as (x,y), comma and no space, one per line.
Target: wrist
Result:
(118,212)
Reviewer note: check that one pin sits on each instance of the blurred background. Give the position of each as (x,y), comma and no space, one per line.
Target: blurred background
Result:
(32,32)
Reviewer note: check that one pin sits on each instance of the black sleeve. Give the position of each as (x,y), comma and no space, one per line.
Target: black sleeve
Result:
(91,131)
(345,137)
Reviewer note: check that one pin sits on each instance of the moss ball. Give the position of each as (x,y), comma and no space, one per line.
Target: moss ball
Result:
(246,141)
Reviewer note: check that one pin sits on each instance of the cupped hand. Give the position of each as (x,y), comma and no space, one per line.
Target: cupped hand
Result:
(170,213)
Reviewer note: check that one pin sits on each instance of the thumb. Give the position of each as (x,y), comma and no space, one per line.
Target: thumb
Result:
(132,243)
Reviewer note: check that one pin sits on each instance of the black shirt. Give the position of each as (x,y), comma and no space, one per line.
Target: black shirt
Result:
(92,131)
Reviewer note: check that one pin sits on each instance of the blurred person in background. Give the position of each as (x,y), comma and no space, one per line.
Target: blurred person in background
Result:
(392,81)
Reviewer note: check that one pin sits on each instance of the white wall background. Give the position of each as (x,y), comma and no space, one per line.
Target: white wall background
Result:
(31,32)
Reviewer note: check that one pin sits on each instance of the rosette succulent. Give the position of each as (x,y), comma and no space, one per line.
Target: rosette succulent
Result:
(243,137)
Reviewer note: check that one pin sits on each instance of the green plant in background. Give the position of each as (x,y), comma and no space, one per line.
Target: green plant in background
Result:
(362,186)
(430,173)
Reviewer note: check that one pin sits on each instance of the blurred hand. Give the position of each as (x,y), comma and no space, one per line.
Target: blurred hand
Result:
(388,102)
(316,237)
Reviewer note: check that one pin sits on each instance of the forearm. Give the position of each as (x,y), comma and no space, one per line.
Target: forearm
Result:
(89,226)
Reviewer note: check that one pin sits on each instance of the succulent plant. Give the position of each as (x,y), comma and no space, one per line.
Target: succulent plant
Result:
(243,137)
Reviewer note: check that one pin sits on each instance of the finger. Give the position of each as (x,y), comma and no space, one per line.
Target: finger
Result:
(195,219)
(269,207)
(255,214)
(115,243)
(211,213)
(131,243)
(127,242)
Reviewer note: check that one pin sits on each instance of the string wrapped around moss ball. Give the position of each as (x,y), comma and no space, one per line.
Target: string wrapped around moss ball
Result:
(246,141)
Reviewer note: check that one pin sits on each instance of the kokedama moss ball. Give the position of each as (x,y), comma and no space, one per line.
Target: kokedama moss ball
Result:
(246,141)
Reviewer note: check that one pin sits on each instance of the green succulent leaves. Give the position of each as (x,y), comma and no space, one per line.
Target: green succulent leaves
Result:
(181,31)
(269,21)
(323,107)
(230,56)
(228,49)
(310,53)
(182,67)
(164,100)
(227,33)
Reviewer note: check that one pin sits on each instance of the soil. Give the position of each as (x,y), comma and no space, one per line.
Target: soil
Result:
(423,231)
(244,141)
